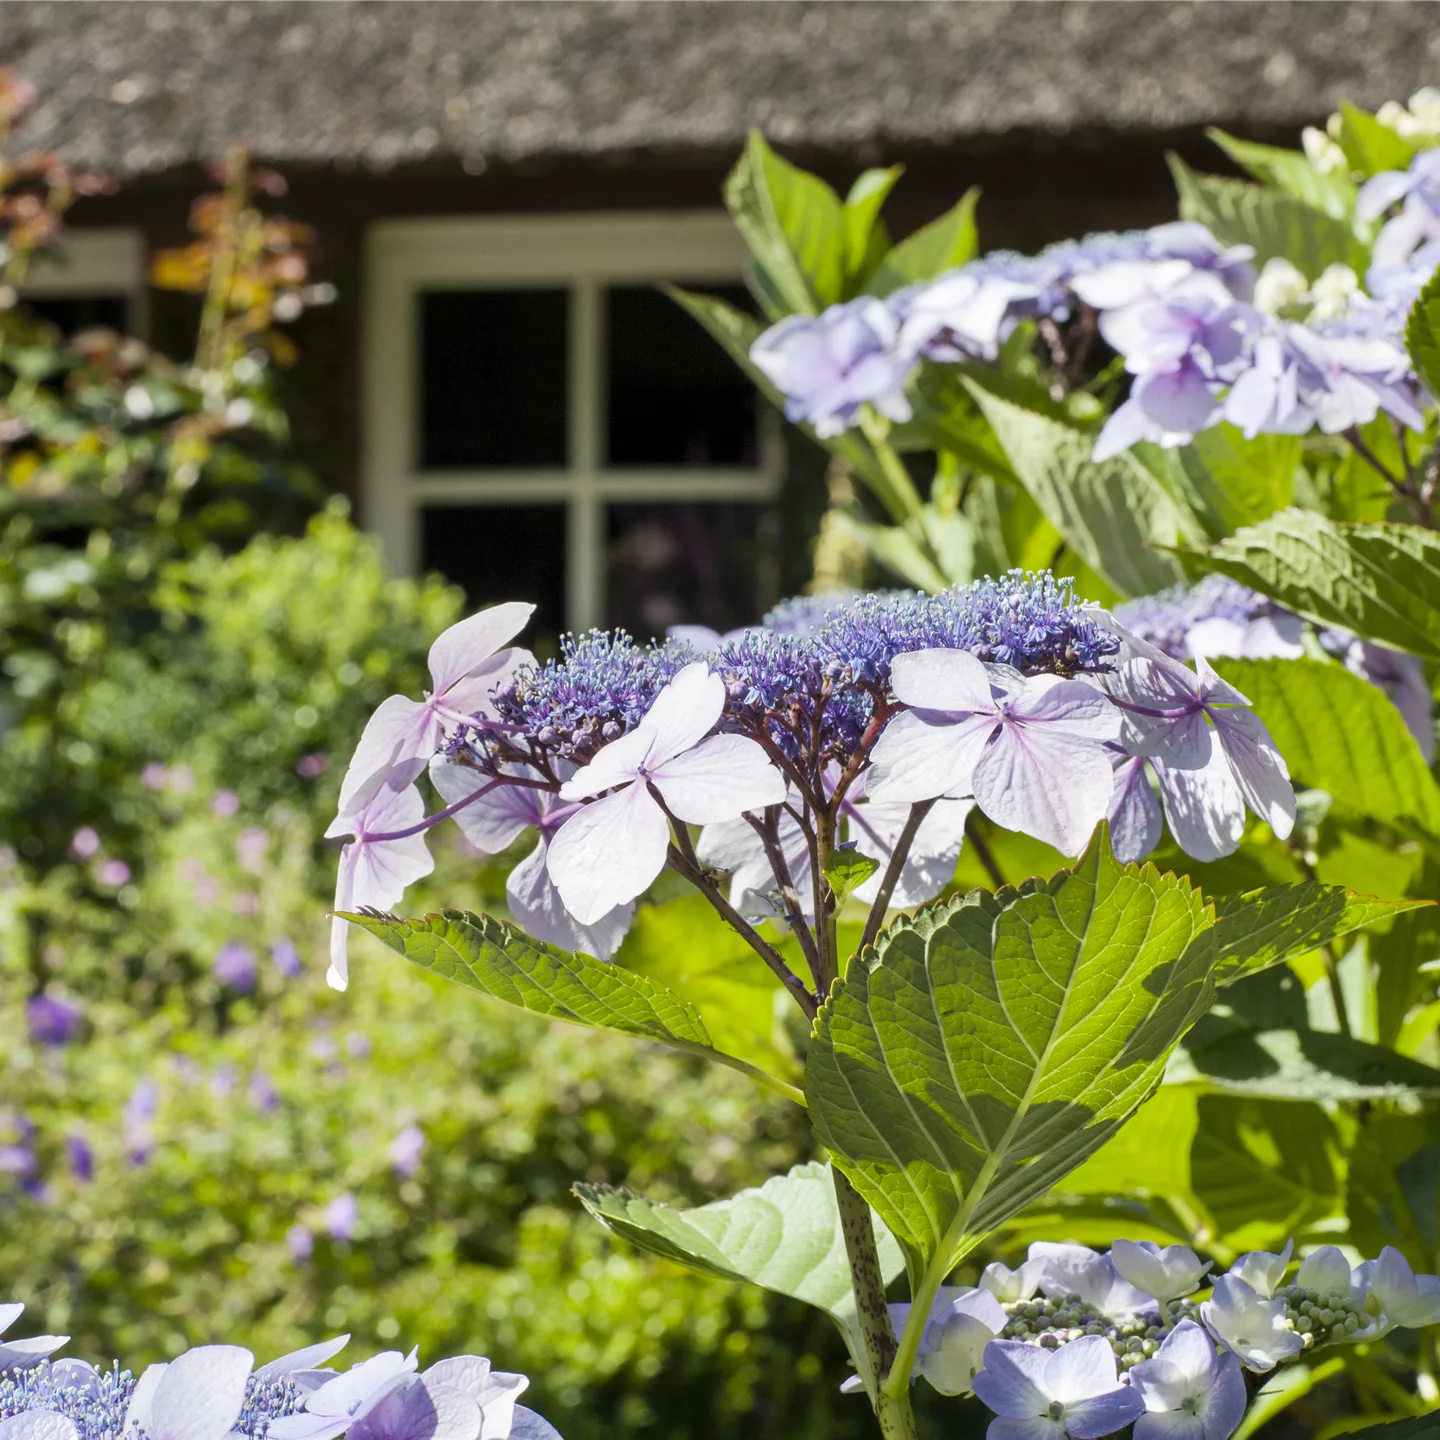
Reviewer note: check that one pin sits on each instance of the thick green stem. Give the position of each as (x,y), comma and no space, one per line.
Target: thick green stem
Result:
(893,486)
(897,1419)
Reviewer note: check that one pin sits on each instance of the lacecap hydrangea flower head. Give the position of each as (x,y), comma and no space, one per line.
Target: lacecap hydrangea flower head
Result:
(871,721)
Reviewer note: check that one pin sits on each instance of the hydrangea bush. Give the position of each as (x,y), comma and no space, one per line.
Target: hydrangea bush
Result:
(1222,394)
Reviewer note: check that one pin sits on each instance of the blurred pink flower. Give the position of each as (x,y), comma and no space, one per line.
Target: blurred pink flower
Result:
(113,872)
(85,843)
(225,803)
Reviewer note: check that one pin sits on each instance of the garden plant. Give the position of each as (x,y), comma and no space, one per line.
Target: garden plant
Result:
(899,858)
(1246,393)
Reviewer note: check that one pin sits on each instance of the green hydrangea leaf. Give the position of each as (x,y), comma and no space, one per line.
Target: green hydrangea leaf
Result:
(794,224)
(949,241)
(1422,334)
(1277,225)
(1111,513)
(987,1045)
(1381,581)
(1260,928)
(506,964)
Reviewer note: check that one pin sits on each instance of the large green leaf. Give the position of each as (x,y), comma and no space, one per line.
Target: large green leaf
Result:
(1422,334)
(1292,172)
(943,244)
(1110,513)
(1261,928)
(793,223)
(1278,226)
(1302,1065)
(506,964)
(864,234)
(988,1044)
(1381,581)
(1266,1169)
(1339,733)
(785,1236)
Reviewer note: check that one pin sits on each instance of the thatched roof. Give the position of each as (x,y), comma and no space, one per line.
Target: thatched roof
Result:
(140,86)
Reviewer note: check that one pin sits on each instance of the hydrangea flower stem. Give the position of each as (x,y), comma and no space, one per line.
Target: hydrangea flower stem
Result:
(768,829)
(690,869)
(894,1412)
(898,493)
(891,878)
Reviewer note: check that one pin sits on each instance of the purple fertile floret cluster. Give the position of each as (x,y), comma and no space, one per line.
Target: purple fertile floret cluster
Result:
(823,664)
(599,688)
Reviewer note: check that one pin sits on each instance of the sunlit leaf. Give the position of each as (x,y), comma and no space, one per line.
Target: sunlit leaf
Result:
(989,1044)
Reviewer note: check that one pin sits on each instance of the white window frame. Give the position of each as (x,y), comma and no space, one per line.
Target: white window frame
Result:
(584,253)
(98,261)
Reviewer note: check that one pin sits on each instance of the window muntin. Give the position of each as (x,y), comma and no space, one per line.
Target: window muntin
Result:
(717,448)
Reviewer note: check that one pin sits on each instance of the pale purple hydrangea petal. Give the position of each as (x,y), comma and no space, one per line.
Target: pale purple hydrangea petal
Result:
(375,873)
(1263,1270)
(720,776)
(1253,1328)
(538,909)
(734,846)
(38,1425)
(197,1396)
(609,852)
(1204,808)
(934,851)
(1134,814)
(925,753)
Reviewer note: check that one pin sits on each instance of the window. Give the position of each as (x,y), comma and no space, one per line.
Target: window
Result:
(96,277)
(543,423)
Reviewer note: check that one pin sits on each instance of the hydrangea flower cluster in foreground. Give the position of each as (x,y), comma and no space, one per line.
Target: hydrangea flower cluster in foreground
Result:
(215,1391)
(875,721)
(1083,1344)
(1201,339)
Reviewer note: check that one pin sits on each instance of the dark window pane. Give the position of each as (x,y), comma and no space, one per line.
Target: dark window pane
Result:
(502,552)
(669,564)
(73,313)
(493,378)
(675,397)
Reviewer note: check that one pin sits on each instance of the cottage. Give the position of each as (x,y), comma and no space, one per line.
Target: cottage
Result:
(499,185)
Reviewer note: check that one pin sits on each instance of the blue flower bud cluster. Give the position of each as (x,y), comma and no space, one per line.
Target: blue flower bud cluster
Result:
(599,688)
(810,676)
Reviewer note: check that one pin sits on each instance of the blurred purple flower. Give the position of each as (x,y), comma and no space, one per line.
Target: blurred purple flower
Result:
(222,1082)
(153,776)
(225,803)
(114,873)
(300,1242)
(250,847)
(247,903)
(827,366)
(17,1160)
(407,1150)
(357,1042)
(312,767)
(340,1216)
(235,967)
(323,1047)
(262,1093)
(81,1158)
(286,957)
(84,843)
(1419,217)
(50,1021)
(143,1103)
